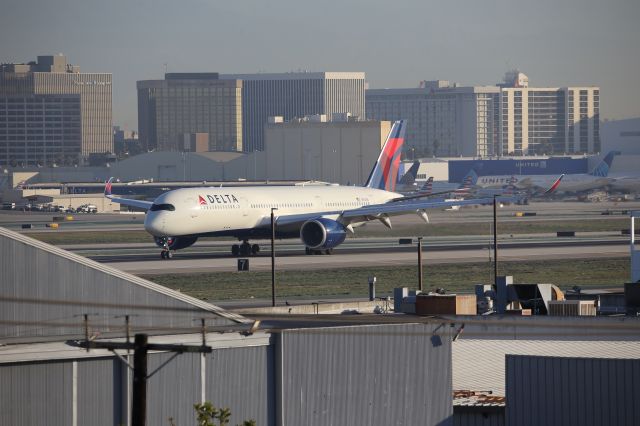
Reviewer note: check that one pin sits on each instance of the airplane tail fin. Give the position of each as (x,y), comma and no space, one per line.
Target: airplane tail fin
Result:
(602,169)
(427,188)
(385,172)
(468,181)
(555,185)
(107,188)
(409,177)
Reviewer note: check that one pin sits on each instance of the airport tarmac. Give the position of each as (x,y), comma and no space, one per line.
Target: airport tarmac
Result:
(368,258)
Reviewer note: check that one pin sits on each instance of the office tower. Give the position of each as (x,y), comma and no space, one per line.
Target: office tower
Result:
(183,106)
(443,119)
(296,95)
(50,112)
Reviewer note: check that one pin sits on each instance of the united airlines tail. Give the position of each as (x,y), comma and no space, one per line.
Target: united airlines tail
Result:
(602,169)
(385,172)
(409,177)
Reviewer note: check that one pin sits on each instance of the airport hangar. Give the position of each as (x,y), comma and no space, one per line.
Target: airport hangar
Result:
(349,369)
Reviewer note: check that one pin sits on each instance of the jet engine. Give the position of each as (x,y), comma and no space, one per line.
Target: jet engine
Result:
(322,233)
(175,243)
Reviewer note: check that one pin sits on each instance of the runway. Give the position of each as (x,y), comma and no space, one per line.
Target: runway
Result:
(390,256)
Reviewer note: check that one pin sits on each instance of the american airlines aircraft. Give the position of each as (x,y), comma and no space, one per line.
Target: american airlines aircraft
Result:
(320,216)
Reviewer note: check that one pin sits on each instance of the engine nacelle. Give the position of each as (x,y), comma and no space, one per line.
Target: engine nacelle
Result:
(322,233)
(175,243)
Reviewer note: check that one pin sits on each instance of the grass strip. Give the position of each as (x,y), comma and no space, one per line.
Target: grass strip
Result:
(352,282)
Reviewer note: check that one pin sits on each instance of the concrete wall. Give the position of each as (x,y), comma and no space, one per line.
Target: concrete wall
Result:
(332,152)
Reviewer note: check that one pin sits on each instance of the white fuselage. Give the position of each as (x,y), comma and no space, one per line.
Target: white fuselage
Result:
(625,183)
(225,210)
(570,183)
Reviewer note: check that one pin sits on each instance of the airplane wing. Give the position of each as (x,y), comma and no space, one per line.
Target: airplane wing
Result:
(383,211)
(144,205)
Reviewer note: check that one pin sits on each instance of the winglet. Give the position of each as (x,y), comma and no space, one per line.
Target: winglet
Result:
(554,186)
(107,188)
(385,172)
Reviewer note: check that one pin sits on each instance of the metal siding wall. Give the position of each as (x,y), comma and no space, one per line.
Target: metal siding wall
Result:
(373,375)
(173,390)
(100,389)
(36,394)
(243,380)
(572,391)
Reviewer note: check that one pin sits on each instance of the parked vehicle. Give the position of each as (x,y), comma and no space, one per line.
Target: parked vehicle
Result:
(87,208)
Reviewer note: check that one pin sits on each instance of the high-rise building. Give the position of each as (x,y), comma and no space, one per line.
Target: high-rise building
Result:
(550,120)
(172,111)
(511,118)
(443,119)
(296,95)
(50,112)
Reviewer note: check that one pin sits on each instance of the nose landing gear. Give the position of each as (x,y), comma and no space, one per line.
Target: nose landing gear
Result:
(166,250)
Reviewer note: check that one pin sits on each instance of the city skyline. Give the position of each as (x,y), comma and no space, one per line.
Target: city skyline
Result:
(576,43)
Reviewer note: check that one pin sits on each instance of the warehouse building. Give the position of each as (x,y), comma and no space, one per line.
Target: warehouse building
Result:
(368,374)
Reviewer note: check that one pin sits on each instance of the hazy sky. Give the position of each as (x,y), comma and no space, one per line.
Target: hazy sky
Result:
(397,43)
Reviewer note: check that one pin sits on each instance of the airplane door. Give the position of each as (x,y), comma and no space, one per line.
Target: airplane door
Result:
(244,207)
(193,206)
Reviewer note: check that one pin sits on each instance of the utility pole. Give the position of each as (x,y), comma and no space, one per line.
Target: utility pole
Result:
(139,403)
(141,348)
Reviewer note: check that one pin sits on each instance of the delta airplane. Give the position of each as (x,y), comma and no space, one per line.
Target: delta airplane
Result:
(598,178)
(321,216)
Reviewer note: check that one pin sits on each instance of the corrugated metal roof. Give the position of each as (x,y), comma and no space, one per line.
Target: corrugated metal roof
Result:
(120,274)
(480,364)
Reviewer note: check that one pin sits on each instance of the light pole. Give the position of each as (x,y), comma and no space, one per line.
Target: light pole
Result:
(420,263)
(495,241)
(273,258)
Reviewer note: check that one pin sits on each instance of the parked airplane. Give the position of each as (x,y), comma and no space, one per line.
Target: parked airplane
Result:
(468,188)
(407,182)
(320,216)
(625,184)
(598,178)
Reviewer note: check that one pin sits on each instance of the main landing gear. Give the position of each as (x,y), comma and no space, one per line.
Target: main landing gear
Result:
(245,249)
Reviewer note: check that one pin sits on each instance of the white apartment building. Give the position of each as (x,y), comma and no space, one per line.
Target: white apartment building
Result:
(443,119)
(549,120)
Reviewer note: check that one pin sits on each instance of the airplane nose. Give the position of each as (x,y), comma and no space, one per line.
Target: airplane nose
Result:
(154,224)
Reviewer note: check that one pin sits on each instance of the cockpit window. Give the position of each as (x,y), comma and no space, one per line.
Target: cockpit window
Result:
(156,207)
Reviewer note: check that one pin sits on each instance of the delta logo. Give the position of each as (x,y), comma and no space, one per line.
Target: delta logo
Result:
(217,199)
